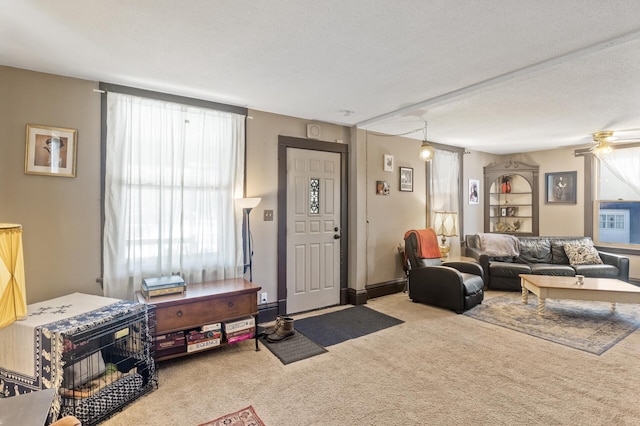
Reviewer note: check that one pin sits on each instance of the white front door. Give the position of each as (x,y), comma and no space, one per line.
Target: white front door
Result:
(313,229)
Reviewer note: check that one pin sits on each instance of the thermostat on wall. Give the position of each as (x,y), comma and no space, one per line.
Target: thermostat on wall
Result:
(313,131)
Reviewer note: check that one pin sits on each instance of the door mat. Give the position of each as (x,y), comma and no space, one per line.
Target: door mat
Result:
(339,326)
(245,417)
(587,326)
(296,348)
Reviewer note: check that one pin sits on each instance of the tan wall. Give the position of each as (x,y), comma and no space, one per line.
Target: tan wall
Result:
(60,216)
(263,130)
(474,163)
(390,216)
(560,219)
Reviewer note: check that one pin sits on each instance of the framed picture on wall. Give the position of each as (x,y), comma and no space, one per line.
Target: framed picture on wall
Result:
(560,187)
(50,151)
(388,163)
(474,191)
(406,179)
(382,187)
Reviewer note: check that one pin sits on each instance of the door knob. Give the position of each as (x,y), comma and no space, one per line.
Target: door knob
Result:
(336,237)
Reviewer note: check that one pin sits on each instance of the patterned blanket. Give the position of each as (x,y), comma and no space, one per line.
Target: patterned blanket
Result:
(31,350)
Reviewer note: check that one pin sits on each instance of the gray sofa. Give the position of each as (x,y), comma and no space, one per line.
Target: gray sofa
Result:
(542,256)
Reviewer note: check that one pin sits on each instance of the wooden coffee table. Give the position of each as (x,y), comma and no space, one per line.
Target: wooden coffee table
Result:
(593,289)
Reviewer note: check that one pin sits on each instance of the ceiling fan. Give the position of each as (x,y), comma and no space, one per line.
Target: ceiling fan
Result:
(603,139)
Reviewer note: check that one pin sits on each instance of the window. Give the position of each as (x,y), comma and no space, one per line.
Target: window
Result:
(617,209)
(444,186)
(172,172)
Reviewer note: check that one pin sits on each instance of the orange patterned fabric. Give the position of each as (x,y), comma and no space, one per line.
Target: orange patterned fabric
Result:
(427,243)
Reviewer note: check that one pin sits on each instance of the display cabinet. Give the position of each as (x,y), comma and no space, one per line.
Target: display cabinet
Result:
(511,198)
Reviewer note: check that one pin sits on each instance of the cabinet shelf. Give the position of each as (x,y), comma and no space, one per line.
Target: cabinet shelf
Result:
(510,193)
(514,212)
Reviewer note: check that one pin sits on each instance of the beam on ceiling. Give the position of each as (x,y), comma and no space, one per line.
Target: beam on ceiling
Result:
(476,87)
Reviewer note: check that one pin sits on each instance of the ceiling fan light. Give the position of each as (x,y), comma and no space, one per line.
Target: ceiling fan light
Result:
(426,152)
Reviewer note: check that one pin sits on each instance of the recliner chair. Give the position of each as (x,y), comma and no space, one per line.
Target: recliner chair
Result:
(454,285)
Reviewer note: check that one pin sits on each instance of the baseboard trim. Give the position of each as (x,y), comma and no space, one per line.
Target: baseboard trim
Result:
(356,297)
(349,296)
(386,288)
(267,312)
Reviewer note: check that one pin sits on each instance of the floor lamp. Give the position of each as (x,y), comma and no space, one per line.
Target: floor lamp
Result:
(13,296)
(247,204)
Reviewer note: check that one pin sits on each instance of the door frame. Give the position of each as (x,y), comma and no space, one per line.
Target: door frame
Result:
(284,143)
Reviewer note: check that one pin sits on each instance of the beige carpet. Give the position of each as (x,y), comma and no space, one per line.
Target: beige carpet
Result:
(437,368)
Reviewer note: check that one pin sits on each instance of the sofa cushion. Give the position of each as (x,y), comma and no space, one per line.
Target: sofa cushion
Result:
(597,271)
(504,269)
(535,250)
(582,253)
(557,248)
(552,269)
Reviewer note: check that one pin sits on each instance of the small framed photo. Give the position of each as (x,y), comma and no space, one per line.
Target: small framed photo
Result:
(50,151)
(560,187)
(382,187)
(388,163)
(474,191)
(503,212)
(406,179)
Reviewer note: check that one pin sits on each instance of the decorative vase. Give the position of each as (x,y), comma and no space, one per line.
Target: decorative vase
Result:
(508,189)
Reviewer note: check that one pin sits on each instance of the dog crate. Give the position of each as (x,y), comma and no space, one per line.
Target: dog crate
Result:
(107,365)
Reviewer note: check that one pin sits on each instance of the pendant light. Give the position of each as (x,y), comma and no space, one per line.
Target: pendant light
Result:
(426,152)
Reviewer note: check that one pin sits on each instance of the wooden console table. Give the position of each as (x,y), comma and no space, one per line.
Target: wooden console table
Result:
(204,303)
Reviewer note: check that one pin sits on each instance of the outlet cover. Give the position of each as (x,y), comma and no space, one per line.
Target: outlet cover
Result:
(268,215)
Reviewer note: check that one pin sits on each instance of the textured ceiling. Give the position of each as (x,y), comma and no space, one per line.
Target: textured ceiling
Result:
(498,76)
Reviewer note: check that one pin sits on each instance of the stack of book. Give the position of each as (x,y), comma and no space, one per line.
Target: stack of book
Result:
(237,331)
(204,337)
(168,344)
(162,286)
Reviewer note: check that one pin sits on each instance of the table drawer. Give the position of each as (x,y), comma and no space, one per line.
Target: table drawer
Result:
(193,314)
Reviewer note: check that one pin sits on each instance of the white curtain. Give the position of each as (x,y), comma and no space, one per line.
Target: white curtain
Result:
(172,174)
(444,187)
(625,165)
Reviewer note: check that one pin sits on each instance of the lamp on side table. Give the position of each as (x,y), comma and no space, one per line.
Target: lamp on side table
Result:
(445,224)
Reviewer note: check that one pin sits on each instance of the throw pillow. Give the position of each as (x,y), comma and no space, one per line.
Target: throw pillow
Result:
(582,253)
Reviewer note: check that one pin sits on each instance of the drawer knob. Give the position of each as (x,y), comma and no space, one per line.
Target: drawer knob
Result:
(179,314)
(230,304)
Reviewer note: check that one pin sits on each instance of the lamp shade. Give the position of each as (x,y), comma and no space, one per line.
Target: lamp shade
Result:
(247,203)
(444,223)
(13,296)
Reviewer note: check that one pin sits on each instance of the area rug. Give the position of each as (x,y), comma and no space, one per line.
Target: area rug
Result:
(339,326)
(587,326)
(297,348)
(245,417)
